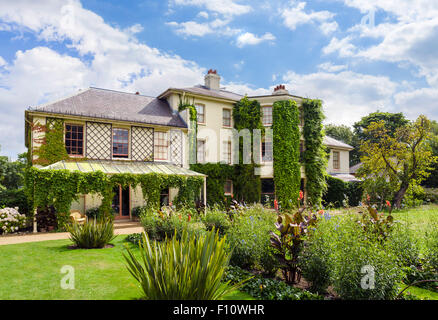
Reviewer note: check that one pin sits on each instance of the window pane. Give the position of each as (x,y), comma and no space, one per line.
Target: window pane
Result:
(74,140)
(120,143)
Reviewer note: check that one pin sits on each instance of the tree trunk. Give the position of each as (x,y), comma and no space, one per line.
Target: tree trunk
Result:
(400,194)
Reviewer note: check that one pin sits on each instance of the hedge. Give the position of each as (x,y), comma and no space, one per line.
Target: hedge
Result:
(338,191)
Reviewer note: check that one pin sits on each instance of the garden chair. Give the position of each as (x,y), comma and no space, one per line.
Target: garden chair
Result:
(77,217)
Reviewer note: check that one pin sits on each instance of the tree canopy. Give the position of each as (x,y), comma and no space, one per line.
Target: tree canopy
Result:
(402,156)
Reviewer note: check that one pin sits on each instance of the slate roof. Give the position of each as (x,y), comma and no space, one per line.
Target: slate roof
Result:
(203,90)
(116,105)
(356,167)
(345,177)
(332,142)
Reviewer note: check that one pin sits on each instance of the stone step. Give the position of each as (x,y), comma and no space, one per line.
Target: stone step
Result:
(126,224)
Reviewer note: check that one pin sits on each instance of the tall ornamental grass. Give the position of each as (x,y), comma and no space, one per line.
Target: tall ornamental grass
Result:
(92,234)
(190,268)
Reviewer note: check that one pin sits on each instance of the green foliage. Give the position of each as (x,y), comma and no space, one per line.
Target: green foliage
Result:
(186,269)
(315,161)
(217,219)
(402,157)
(392,122)
(265,288)
(92,234)
(249,236)
(292,229)
(404,246)
(431,255)
(12,198)
(134,238)
(190,105)
(161,224)
(11,173)
(340,193)
(247,186)
(351,248)
(314,260)
(414,197)
(286,152)
(62,187)
(52,147)
(431,195)
(376,226)
(217,174)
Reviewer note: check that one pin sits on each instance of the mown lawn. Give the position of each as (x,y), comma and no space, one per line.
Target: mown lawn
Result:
(32,271)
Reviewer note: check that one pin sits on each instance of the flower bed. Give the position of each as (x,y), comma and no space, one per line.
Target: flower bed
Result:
(11,220)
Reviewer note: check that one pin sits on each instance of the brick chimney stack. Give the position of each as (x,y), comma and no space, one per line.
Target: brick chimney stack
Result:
(212,80)
(280,89)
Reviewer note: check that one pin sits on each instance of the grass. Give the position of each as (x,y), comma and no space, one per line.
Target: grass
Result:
(32,271)
(421,293)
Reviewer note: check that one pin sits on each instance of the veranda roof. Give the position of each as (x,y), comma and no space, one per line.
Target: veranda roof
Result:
(115,167)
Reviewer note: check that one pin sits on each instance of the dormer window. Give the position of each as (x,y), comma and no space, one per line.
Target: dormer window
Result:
(120,143)
(336,164)
(74,139)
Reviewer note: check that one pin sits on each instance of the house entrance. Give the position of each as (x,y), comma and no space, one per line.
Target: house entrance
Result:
(121,202)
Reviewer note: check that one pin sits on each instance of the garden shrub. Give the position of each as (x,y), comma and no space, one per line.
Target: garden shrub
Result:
(404,245)
(95,233)
(11,198)
(414,197)
(431,254)
(431,195)
(134,238)
(353,250)
(249,237)
(340,193)
(314,260)
(265,288)
(11,220)
(161,224)
(182,269)
(216,218)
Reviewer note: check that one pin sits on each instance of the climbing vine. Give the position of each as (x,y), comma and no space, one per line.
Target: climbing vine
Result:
(315,159)
(217,174)
(61,187)
(247,185)
(193,133)
(52,148)
(286,151)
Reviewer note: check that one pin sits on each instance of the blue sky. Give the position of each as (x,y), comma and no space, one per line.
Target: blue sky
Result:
(356,55)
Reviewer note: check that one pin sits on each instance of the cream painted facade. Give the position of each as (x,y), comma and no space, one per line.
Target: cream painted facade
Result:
(90,201)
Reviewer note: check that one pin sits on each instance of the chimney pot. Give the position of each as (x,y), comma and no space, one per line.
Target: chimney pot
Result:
(212,80)
(137,92)
(280,89)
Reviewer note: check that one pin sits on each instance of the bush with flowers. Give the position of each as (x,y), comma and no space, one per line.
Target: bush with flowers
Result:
(11,220)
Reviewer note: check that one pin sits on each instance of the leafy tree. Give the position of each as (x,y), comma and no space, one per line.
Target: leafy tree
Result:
(12,172)
(392,122)
(347,135)
(432,180)
(402,157)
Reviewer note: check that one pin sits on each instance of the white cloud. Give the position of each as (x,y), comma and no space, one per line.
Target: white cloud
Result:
(343,47)
(191,28)
(249,38)
(224,7)
(294,15)
(347,95)
(2,62)
(330,67)
(203,14)
(107,57)
(410,36)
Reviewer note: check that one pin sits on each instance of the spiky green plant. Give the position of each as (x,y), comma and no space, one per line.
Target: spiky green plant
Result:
(190,268)
(92,234)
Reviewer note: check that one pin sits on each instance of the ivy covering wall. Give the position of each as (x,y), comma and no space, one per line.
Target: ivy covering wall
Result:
(217,174)
(286,152)
(61,187)
(52,147)
(315,157)
(186,104)
(247,186)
